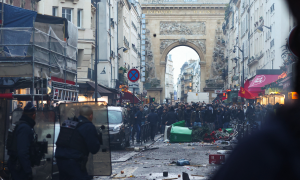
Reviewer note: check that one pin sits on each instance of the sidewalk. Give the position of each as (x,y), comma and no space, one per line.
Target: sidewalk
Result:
(136,148)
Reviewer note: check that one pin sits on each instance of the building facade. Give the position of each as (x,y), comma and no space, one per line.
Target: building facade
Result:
(129,24)
(257,29)
(169,78)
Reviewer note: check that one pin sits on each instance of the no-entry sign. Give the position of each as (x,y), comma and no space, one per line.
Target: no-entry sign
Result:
(133,75)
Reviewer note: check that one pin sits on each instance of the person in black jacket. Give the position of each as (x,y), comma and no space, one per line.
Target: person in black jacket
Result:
(138,122)
(226,118)
(131,120)
(71,160)
(163,121)
(24,134)
(188,116)
(240,115)
(171,117)
(152,119)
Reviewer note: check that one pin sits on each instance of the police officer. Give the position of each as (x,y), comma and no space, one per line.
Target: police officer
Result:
(130,119)
(72,157)
(187,116)
(153,119)
(163,121)
(19,162)
(181,113)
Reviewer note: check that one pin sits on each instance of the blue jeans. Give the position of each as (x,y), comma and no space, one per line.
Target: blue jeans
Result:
(137,129)
(69,169)
(225,125)
(197,124)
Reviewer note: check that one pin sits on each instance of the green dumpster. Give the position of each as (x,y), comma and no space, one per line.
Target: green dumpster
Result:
(180,134)
(229,130)
(180,124)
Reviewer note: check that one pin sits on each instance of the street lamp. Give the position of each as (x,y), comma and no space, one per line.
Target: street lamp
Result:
(260,28)
(125,50)
(243,65)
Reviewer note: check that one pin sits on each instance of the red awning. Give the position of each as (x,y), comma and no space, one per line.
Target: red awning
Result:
(246,87)
(260,81)
(126,97)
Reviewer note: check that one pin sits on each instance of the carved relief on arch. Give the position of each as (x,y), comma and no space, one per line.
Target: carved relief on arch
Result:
(201,43)
(164,43)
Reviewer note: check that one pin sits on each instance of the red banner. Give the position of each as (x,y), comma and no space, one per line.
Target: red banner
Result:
(246,94)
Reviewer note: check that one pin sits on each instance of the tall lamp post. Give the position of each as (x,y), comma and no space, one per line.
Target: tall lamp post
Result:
(243,65)
(96,53)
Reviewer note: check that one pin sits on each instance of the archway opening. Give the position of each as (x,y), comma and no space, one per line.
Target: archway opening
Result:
(182,73)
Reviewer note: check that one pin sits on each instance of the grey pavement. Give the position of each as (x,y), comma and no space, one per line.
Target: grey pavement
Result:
(150,164)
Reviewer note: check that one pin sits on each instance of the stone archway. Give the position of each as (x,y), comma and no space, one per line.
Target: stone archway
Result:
(169,24)
(188,43)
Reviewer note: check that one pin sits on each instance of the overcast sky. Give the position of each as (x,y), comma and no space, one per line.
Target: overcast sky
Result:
(180,55)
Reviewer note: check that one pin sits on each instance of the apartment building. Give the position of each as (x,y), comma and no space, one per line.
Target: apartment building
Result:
(169,78)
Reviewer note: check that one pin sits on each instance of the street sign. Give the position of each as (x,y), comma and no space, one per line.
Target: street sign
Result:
(133,85)
(133,75)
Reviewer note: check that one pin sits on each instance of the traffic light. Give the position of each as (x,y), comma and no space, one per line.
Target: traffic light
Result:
(152,100)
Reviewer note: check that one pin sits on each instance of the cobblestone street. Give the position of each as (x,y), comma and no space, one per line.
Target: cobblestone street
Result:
(150,164)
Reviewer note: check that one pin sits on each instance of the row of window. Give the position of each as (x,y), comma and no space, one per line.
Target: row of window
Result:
(134,26)
(68,14)
(272,8)
(272,43)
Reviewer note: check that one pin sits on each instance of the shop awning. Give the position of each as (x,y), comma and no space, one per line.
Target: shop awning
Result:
(126,97)
(260,81)
(100,89)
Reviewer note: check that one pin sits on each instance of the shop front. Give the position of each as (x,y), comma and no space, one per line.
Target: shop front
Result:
(272,96)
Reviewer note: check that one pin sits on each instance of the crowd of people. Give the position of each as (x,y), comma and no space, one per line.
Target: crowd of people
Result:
(214,115)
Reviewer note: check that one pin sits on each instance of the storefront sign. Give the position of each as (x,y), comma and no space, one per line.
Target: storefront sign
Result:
(219,91)
(293,95)
(270,91)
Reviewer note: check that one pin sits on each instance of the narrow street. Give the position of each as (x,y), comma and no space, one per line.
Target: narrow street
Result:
(151,164)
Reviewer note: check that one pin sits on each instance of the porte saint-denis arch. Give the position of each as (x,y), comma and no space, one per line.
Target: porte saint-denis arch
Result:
(172,23)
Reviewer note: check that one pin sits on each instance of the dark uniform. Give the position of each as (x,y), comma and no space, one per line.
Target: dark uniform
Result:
(171,117)
(153,119)
(20,156)
(181,113)
(71,161)
(163,121)
(187,117)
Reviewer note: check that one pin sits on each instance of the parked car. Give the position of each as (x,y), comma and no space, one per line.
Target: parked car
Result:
(119,129)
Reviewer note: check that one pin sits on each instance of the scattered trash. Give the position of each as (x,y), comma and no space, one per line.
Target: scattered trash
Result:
(165,173)
(151,148)
(197,175)
(179,175)
(182,162)
(216,159)
(204,165)
(224,152)
(122,172)
(137,149)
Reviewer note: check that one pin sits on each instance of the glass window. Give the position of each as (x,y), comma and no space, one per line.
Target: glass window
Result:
(67,13)
(79,18)
(54,11)
(114,117)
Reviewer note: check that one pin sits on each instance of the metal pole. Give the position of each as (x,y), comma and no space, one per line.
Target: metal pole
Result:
(96,55)
(243,71)
(133,97)
(33,32)
(42,89)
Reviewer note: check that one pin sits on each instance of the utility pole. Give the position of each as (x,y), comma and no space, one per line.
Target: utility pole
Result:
(242,80)
(96,54)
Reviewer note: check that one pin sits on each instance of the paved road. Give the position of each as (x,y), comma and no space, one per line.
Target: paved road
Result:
(150,164)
